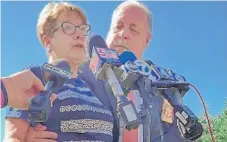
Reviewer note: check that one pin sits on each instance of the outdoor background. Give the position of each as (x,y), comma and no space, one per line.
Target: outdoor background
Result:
(188,37)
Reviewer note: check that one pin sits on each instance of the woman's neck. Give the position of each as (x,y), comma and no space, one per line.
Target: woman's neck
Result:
(74,67)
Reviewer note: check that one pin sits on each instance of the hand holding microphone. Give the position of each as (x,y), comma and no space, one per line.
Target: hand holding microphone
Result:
(187,121)
(164,80)
(19,88)
(55,75)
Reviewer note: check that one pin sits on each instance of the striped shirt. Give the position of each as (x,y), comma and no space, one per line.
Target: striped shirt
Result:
(77,115)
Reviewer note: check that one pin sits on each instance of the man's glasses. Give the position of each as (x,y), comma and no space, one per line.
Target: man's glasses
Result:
(69,28)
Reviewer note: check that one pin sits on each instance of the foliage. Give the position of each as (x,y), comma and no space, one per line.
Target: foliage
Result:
(219,126)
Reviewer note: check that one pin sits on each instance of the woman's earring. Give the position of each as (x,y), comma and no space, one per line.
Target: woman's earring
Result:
(49,50)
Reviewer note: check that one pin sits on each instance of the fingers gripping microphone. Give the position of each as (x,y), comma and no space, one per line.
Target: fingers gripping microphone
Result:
(188,124)
(55,75)
(101,64)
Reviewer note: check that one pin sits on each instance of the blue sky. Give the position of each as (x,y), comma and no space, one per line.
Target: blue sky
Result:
(188,37)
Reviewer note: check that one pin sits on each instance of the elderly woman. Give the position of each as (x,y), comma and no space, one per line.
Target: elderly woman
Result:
(77,113)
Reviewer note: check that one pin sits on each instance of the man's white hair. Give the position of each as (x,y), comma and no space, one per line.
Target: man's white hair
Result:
(137,4)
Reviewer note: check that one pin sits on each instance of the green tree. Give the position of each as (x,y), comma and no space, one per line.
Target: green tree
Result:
(219,126)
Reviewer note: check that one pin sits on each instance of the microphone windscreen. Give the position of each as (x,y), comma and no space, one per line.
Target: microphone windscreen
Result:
(97,41)
(127,56)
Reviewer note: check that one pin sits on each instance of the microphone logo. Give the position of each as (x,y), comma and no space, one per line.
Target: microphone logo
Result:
(144,68)
(56,70)
(102,52)
(131,66)
(94,64)
(107,53)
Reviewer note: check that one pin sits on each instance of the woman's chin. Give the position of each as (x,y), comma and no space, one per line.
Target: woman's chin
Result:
(77,60)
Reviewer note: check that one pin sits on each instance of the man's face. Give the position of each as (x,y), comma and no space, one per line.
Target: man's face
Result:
(129,30)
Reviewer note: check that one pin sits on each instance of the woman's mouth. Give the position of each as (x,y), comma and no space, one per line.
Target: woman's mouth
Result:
(78,45)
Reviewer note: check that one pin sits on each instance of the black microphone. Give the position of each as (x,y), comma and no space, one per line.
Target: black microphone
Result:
(165,80)
(149,62)
(159,76)
(55,74)
(101,64)
(187,121)
(162,78)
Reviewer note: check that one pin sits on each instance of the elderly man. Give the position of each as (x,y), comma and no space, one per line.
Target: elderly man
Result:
(130,30)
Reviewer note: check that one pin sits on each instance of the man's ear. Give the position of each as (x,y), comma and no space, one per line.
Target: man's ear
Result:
(148,38)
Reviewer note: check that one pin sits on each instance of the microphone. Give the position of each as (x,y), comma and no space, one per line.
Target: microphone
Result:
(134,76)
(180,78)
(187,121)
(55,75)
(154,76)
(159,77)
(96,40)
(101,64)
(149,62)
(127,56)
(162,78)
(101,57)
(129,70)
(132,68)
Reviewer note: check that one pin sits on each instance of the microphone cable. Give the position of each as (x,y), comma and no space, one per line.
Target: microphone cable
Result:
(205,110)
